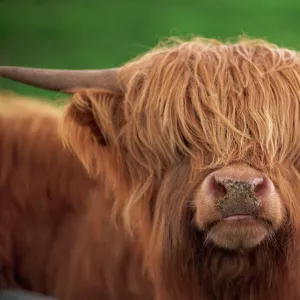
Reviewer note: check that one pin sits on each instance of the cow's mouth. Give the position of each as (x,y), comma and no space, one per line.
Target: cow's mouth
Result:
(239,231)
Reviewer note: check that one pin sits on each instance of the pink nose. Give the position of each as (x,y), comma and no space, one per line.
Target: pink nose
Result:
(238,189)
(221,184)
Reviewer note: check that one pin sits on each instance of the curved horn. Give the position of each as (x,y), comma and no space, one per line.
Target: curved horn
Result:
(63,80)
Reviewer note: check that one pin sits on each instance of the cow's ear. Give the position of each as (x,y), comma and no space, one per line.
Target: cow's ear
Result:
(90,125)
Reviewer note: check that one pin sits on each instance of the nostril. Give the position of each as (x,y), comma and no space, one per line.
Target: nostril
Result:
(218,187)
(260,186)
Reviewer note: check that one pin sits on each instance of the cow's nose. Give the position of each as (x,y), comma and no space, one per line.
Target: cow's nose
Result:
(224,184)
(238,190)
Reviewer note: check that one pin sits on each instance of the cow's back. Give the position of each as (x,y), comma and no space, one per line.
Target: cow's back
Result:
(56,235)
(42,188)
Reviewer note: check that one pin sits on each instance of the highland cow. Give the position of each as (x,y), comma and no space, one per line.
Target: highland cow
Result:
(49,236)
(198,144)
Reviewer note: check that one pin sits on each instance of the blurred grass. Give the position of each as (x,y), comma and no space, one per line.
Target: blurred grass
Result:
(97,34)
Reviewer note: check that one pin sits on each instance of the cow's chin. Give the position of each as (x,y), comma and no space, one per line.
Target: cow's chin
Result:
(239,232)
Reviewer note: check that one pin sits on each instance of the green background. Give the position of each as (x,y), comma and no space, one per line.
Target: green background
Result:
(98,34)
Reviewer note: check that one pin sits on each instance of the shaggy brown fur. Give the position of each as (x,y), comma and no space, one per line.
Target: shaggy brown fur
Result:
(190,108)
(55,231)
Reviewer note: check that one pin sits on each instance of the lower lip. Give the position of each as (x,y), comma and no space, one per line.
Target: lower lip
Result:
(238,217)
(237,220)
